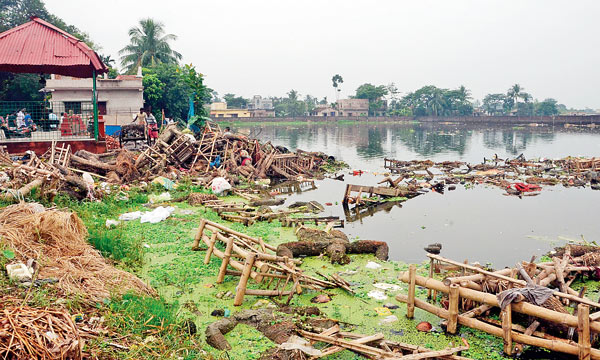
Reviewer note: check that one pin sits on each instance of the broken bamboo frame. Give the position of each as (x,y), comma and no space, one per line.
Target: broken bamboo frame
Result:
(515,281)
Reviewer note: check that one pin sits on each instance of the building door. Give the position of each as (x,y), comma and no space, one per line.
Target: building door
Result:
(101,107)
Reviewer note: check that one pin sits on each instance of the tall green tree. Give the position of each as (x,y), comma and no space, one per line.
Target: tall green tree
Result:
(548,107)
(168,87)
(235,102)
(149,46)
(515,93)
(374,94)
(337,80)
(291,106)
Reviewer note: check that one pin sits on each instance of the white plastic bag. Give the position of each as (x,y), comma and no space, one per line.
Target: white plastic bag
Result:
(130,216)
(219,185)
(157,215)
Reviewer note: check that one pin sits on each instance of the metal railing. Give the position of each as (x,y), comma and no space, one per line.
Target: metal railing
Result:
(46,120)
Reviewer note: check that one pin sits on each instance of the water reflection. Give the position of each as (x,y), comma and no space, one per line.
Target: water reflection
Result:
(479,224)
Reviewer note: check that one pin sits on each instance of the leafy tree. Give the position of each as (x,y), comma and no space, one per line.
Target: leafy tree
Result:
(493,104)
(148,46)
(169,87)
(234,102)
(433,101)
(20,87)
(548,107)
(291,106)
(374,94)
(310,103)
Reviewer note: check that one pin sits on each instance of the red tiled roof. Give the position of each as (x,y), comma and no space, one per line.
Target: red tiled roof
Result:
(40,47)
(127,77)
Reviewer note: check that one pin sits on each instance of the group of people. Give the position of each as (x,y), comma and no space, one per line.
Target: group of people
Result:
(20,119)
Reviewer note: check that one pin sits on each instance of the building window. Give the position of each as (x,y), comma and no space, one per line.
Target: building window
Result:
(349,114)
(234,115)
(220,115)
(74,106)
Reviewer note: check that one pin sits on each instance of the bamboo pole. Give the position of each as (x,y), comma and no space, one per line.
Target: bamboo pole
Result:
(211,247)
(506,316)
(553,345)
(241,288)
(198,236)
(262,292)
(429,292)
(211,224)
(410,308)
(453,309)
(225,262)
(477,311)
(583,331)
(490,299)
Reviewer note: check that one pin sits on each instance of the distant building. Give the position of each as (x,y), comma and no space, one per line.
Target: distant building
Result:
(324,110)
(118,99)
(220,110)
(353,107)
(262,113)
(258,103)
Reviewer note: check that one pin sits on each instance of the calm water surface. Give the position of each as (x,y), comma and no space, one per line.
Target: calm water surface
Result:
(478,224)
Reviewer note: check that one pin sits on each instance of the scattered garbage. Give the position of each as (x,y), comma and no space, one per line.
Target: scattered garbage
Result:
(130,216)
(424,326)
(377,295)
(386,286)
(383,311)
(219,185)
(320,299)
(163,197)
(372,265)
(111,223)
(19,272)
(388,319)
(157,215)
(298,343)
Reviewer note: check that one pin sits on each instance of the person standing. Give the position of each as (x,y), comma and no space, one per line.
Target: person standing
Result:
(141,117)
(21,119)
(152,127)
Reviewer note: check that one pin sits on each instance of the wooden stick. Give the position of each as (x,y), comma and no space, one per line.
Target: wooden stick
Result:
(410,307)
(506,316)
(453,309)
(429,291)
(198,236)
(477,311)
(225,262)
(241,288)
(211,247)
(583,331)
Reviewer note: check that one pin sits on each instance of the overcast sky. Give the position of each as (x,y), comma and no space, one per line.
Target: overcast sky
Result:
(247,47)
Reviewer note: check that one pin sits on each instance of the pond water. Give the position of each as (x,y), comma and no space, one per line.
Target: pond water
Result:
(478,223)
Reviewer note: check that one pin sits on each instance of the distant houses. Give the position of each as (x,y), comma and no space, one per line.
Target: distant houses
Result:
(345,107)
(257,107)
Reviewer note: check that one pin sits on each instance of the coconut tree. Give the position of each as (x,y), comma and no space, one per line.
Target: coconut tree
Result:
(148,46)
(515,93)
(337,80)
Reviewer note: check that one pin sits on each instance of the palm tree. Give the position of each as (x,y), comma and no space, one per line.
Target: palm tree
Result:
(107,60)
(515,93)
(337,80)
(149,46)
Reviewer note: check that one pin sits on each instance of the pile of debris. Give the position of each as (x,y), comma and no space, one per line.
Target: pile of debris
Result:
(53,243)
(518,176)
(278,275)
(539,290)
(215,154)
(32,333)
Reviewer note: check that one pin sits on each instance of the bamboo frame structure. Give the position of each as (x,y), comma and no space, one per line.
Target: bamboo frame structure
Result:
(459,288)
(259,263)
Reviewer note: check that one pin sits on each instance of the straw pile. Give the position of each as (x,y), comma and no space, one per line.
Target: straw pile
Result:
(56,239)
(29,333)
